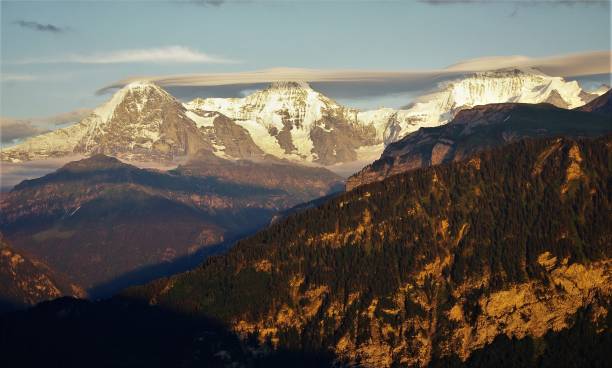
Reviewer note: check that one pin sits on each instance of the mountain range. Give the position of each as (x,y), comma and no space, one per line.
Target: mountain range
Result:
(501,259)
(289,120)
(484,127)
(109,224)
(480,237)
(226,184)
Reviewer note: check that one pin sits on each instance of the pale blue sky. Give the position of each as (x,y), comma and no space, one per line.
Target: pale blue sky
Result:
(46,72)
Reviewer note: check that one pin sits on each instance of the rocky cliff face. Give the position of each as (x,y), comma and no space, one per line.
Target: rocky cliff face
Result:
(140,122)
(293,121)
(423,266)
(229,140)
(479,128)
(26,281)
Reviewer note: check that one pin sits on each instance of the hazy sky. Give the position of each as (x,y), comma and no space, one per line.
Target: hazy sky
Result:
(55,55)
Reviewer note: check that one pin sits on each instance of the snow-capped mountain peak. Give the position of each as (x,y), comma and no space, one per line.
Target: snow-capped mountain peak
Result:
(138,93)
(287,119)
(524,85)
(134,108)
(511,85)
(141,121)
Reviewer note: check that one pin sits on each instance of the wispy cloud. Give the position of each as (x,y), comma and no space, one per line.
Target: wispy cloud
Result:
(8,77)
(35,26)
(519,2)
(12,130)
(569,65)
(351,83)
(207,2)
(12,174)
(170,55)
(62,118)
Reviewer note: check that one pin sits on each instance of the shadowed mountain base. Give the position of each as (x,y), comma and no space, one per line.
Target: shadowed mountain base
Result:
(128,333)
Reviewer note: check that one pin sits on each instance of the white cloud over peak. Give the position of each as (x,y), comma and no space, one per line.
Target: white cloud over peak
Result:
(167,55)
(370,83)
(17,77)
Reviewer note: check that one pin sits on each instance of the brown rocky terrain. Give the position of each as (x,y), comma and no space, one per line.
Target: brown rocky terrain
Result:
(141,122)
(232,139)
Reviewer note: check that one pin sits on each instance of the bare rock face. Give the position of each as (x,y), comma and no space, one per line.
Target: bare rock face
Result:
(141,122)
(291,120)
(601,105)
(554,98)
(227,138)
(145,123)
(338,139)
(440,152)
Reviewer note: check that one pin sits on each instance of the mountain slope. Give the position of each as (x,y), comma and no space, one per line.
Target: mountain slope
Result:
(503,260)
(303,183)
(142,118)
(127,333)
(26,282)
(108,224)
(424,265)
(477,129)
(601,105)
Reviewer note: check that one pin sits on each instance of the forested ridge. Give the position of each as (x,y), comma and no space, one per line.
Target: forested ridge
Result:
(394,269)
